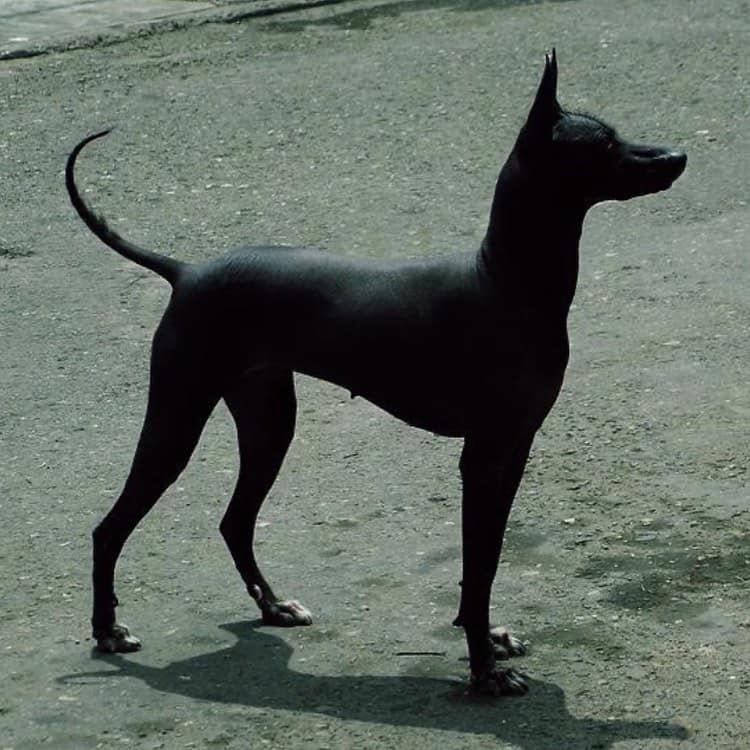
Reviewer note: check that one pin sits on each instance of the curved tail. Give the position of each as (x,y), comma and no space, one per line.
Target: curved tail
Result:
(168,268)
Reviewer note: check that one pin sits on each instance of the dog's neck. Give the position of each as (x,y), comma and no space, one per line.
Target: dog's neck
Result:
(530,250)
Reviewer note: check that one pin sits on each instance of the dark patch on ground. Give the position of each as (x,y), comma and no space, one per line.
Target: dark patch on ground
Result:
(12,251)
(360,19)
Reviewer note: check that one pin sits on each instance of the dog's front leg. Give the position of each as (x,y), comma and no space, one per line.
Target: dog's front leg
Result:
(490,474)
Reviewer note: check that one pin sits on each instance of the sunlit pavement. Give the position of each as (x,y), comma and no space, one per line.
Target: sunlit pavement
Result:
(28,27)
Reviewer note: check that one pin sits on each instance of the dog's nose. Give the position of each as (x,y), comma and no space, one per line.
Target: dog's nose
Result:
(677,159)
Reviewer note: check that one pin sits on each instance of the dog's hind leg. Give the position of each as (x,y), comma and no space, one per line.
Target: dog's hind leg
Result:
(178,407)
(264,406)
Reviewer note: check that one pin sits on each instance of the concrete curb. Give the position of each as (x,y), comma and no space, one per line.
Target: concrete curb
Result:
(117,34)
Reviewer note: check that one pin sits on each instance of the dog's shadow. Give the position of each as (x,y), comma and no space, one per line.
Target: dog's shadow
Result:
(255,672)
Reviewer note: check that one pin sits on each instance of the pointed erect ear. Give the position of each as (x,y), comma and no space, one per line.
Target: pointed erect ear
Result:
(545,110)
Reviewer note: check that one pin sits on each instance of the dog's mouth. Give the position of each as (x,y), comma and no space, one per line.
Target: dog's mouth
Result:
(652,170)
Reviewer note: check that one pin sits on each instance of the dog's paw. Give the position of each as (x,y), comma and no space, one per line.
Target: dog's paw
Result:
(506,645)
(117,641)
(287,614)
(499,682)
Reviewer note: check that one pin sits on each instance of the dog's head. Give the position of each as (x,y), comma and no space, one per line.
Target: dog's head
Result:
(581,157)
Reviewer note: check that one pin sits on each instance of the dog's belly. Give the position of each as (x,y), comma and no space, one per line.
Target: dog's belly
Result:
(429,390)
(441,418)
(450,385)
(436,409)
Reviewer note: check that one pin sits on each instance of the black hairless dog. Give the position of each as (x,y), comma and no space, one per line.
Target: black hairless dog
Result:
(471,345)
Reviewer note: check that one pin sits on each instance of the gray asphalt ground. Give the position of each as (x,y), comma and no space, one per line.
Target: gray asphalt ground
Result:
(28,26)
(32,27)
(378,129)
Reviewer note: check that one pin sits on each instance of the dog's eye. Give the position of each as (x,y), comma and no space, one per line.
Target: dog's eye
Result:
(611,144)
